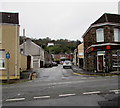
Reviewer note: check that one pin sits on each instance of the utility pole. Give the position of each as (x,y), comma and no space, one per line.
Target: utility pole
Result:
(24,41)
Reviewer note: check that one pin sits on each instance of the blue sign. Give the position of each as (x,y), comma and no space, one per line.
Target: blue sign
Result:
(7,55)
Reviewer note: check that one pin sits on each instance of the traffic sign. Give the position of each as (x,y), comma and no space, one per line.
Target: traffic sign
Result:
(8,55)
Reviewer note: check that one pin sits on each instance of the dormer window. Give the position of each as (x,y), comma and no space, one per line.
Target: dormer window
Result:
(117,35)
(100,35)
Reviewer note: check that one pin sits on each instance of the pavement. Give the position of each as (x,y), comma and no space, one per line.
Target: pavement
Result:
(24,76)
(80,71)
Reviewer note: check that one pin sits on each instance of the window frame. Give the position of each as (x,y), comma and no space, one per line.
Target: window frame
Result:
(116,39)
(97,35)
(2,59)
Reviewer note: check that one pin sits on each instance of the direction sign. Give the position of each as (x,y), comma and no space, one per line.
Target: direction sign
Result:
(8,55)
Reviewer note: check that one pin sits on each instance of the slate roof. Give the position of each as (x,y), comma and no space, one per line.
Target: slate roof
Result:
(107,17)
(11,18)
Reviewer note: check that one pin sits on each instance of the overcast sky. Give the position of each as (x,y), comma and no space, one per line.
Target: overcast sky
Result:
(58,20)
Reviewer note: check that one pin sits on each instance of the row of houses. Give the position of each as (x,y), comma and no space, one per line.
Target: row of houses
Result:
(15,58)
(100,50)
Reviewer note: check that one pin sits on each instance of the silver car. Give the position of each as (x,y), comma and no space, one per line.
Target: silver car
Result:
(67,64)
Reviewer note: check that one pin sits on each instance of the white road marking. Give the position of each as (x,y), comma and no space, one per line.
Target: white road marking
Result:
(63,95)
(95,92)
(83,78)
(59,83)
(115,91)
(16,99)
(41,97)
(91,77)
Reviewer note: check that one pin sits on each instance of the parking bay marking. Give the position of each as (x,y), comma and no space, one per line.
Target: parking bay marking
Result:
(64,95)
(16,99)
(41,97)
(95,92)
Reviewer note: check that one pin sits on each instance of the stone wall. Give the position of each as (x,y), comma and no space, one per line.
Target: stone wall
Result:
(90,39)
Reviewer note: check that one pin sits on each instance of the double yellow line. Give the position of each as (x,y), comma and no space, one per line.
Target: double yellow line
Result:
(94,75)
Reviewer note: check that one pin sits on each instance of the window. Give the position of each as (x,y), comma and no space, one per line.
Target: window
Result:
(2,59)
(100,35)
(116,35)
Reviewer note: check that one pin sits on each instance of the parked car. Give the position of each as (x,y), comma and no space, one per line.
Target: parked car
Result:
(54,64)
(67,64)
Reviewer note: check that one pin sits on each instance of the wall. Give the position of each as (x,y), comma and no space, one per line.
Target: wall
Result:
(90,39)
(23,62)
(10,42)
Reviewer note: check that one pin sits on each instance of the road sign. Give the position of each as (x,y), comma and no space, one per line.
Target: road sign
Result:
(8,55)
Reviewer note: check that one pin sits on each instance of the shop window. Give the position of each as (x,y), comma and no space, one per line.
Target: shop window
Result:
(100,35)
(116,35)
(116,60)
(2,59)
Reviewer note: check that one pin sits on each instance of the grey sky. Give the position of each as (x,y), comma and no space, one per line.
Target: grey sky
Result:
(66,20)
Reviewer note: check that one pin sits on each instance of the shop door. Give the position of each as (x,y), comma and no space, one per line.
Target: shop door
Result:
(100,63)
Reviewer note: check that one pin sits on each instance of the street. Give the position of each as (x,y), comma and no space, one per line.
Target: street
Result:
(56,86)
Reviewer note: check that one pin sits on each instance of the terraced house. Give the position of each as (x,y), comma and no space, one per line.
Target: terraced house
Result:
(102,44)
(34,53)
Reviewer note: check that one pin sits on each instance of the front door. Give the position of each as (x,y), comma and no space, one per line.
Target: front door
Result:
(28,62)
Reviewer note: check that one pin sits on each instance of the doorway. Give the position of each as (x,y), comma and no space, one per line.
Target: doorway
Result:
(100,63)
(28,62)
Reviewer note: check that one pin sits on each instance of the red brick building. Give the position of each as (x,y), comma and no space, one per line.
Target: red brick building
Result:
(63,56)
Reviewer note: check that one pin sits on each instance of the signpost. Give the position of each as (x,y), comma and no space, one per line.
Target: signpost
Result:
(8,57)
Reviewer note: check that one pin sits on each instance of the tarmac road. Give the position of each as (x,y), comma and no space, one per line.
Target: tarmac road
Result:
(60,87)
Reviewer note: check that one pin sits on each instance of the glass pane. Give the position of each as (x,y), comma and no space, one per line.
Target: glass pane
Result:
(2,63)
(100,35)
(116,34)
(2,54)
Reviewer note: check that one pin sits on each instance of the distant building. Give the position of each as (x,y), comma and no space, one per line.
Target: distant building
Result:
(9,42)
(48,59)
(34,53)
(102,44)
(80,55)
(50,44)
(60,57)
(75,57)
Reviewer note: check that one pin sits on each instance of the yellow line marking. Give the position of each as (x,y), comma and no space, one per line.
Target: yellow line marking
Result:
(94,75)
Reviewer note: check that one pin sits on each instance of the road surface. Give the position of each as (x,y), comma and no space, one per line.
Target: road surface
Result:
(61,87)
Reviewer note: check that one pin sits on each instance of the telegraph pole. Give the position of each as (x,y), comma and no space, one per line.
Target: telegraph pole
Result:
(24,41)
